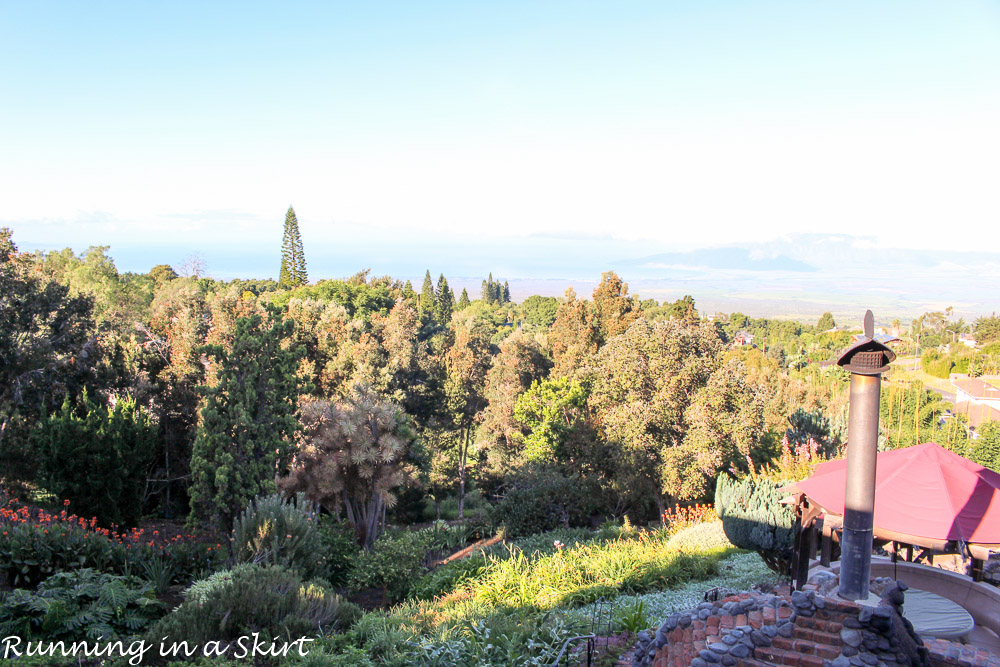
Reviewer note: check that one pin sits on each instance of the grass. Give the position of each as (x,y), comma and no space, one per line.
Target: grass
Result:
(519,602)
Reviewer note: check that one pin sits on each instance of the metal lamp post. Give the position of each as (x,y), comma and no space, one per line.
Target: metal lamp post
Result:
(866,360)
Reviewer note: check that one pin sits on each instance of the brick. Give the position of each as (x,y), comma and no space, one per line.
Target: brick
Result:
(712,622)
(833,627)
(771,654)
(688,636)
(791,659)
(828,652)
(698,634)
(805,646)
(803,633)
(784,612)
(768,614)
(783,643)
(741,619)
(727,623)
(811,661)
(826,638)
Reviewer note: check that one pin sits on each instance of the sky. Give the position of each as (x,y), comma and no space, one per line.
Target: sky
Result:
(466,134)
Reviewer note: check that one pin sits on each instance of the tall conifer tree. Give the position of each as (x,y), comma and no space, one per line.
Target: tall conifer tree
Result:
(445,300)
(463,301)
(427,299)
(247,420)
(293,259)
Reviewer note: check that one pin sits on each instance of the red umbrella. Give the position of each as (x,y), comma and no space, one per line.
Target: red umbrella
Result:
(926,491)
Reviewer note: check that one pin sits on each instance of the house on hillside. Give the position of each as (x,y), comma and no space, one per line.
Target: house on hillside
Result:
(743,338)
(979,398)
(967,339)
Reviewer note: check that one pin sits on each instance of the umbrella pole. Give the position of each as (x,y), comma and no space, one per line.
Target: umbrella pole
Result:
(859,496)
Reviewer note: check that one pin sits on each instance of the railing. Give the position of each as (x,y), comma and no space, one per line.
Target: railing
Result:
(591,642)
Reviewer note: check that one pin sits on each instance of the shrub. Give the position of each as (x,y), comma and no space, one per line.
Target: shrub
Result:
(84,604)
(394,563)
(542,501)
(35,544)
(97,457)
(677,518)
(339,547)
(270,600)
(273,531)
(754,519)
(30,553)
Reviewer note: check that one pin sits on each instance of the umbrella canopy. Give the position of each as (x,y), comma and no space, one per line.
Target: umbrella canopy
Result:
(925,491)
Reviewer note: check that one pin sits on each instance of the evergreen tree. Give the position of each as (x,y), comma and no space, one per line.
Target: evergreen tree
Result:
(247,420)
(463,301)
(445,300)
(293,259)
(826,322)
(484,292)
(427,298)
(506,292)
(408,292)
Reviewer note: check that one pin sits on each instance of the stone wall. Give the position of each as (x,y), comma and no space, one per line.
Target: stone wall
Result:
(804,629)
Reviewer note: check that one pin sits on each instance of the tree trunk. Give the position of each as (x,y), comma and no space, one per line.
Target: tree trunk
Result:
(660,508)
(437,508)
(462,455)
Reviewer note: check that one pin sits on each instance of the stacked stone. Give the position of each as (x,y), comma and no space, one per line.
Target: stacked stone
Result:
(804,629)
(716,633)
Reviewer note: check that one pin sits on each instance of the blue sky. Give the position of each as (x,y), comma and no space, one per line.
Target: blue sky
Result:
(418,132)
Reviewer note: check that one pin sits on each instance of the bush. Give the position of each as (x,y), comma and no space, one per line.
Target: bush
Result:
(97,457)
(270,600)
(340,548)
(273,531)
(394,563)
(580,574)
(754,519)
(30,553)
(80,605)
(542,501)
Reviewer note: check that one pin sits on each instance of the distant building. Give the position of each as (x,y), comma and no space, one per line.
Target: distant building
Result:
(743,339)
(979,398)
(967,339)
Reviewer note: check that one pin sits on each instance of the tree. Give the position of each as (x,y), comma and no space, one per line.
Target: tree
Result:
(540,311)
(987,329)
(445,300)
(826,322)
(248,420)
(574,335)
(614,309)
(986,448)
(556,418)
(519,363)
(351,457)
(642,383)
(293,259)
(98,457)
(463,301)
(47,347)
(466,365)
(427,297)
(162,273)
(723,427)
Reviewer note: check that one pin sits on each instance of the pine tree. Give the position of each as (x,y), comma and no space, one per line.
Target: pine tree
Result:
(463,301)
(484,292)
(247,421)
(506,292)
(427,299)
(408,292)
(293,259)
(445,300)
